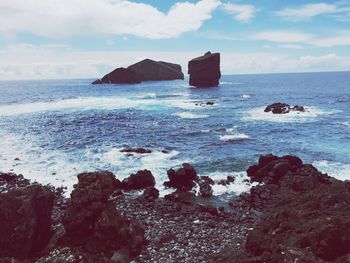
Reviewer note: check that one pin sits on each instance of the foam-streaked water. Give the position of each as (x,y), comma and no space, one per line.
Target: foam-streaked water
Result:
(58,129)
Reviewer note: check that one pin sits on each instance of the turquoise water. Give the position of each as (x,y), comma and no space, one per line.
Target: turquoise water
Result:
(59,128)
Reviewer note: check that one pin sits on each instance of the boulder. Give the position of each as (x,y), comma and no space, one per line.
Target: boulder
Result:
(25,221)
(283,108)
(119,76)
(142,179)
(92,221)
(204,71)
(148,69)
(183,178)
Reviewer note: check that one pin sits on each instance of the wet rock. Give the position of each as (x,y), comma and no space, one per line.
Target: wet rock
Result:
(150,194)
(283,108)
(140,180)
(304,215)
(93,223)
(148,69)
(10,181)
(204,71)
(136,150)
(119,76)
(183,178)
(25,221)
(205,190)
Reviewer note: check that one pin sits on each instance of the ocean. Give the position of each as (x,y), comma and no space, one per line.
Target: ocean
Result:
(52,130)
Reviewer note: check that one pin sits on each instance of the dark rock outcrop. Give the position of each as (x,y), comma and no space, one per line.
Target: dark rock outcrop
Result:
(142,179)
(150,194)
(11,181)
(92,221)
(205,186)
(148,69)
(283,108)
(25,221)
(144,70)
(183,178)
(304,214)
(119,76)
(204,71)
(135,150)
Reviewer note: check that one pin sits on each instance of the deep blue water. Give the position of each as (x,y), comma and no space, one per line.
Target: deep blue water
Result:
(59,128)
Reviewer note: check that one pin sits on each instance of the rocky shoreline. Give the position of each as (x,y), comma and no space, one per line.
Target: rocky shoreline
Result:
(294,214)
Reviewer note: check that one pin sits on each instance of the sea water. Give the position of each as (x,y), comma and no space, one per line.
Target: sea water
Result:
(52,130)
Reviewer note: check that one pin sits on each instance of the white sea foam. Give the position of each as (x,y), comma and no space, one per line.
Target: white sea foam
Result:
(190,115)
(233,129)
(234,137)
(148,96)
(89,103)
(38,164)
(60,168)
(338,170)
(238,187)
(310,113)
(346,123)
(230,83)
(245,97)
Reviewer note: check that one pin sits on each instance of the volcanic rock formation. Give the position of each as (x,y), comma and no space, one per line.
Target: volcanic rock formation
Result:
(205,70)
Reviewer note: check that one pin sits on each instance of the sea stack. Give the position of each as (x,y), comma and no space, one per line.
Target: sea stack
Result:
(148,70)
(145,70)
(204,71)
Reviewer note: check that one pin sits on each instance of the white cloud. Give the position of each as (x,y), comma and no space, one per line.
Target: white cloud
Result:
(294,39)
(241,13)
(24,62)
(342,40)
(282,36)
(54,18)
(291,46)
(310,10)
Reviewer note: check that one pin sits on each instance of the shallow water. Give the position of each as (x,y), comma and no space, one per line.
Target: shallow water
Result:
(60,128)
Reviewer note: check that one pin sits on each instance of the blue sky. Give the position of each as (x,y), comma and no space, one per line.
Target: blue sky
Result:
(86,38)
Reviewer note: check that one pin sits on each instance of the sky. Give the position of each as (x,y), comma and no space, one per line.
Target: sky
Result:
(52,39)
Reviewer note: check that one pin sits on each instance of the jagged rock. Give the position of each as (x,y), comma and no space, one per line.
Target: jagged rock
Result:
(205,190)
(93,223)
(148,69)
(11,181)
(305,213)
(183,178)
(25,221)
(140,180)
(150,194)
(283,108)
(205,70)
(119,76)
(135,150)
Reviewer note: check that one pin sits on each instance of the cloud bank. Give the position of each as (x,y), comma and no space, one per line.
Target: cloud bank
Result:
(55,62)
(54,19)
